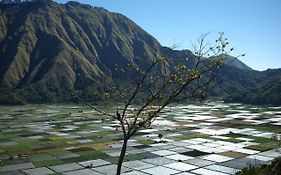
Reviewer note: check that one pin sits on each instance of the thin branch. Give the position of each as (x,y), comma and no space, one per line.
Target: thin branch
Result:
(95,109)
(138,87)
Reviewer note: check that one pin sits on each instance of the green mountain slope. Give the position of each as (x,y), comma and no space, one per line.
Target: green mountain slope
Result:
(65,47)
(268,93)
(231,61)
(235,76)
(48,51)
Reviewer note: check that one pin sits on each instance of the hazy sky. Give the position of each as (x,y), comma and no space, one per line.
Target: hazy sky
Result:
(252,26)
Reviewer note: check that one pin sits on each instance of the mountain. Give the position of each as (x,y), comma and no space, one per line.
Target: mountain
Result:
(233,77)
(234,62)
(48,51)
(61,48)
(265,94)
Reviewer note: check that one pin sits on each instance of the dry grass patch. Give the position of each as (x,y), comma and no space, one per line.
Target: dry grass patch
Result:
(233,154)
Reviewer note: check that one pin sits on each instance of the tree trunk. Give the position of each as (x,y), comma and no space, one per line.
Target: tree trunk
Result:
(122,156)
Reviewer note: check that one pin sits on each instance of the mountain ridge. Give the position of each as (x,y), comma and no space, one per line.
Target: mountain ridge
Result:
(269,93)
(60,25)
(48,51)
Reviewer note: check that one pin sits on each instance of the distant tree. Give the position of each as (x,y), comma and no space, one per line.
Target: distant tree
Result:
(160,136)
(151,87)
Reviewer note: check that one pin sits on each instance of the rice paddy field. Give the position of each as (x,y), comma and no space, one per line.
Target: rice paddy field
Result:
(213,138)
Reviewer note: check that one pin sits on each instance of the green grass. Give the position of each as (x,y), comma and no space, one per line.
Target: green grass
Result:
(259,147)
(29,143)
(260,139)
(77,159)
(272,144)
(233,123)
(60,153)
(256,139)
(40,157)
(265,127)
(4,139)
(112,159)
(193,135)
(92,154)
(233,140)
(48,163)
(242,124)
(233,135)
(42,145)
(16,149)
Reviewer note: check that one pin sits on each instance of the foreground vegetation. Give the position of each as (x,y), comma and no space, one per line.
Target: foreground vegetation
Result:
(273,169)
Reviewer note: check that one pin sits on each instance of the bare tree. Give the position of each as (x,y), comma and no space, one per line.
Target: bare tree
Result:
(149,88)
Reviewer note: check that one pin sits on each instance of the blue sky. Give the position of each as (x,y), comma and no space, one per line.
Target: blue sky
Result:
(252,26)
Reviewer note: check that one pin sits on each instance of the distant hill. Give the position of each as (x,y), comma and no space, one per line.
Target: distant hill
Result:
(233,77)
(48,51)
(268,93)
(235,62)
(231,61)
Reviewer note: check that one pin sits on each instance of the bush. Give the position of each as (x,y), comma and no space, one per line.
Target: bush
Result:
(273,169)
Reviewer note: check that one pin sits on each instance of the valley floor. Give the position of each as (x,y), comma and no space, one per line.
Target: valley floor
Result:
(214,138)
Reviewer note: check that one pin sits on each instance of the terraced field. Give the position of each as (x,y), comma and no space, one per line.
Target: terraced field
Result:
(212,138)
